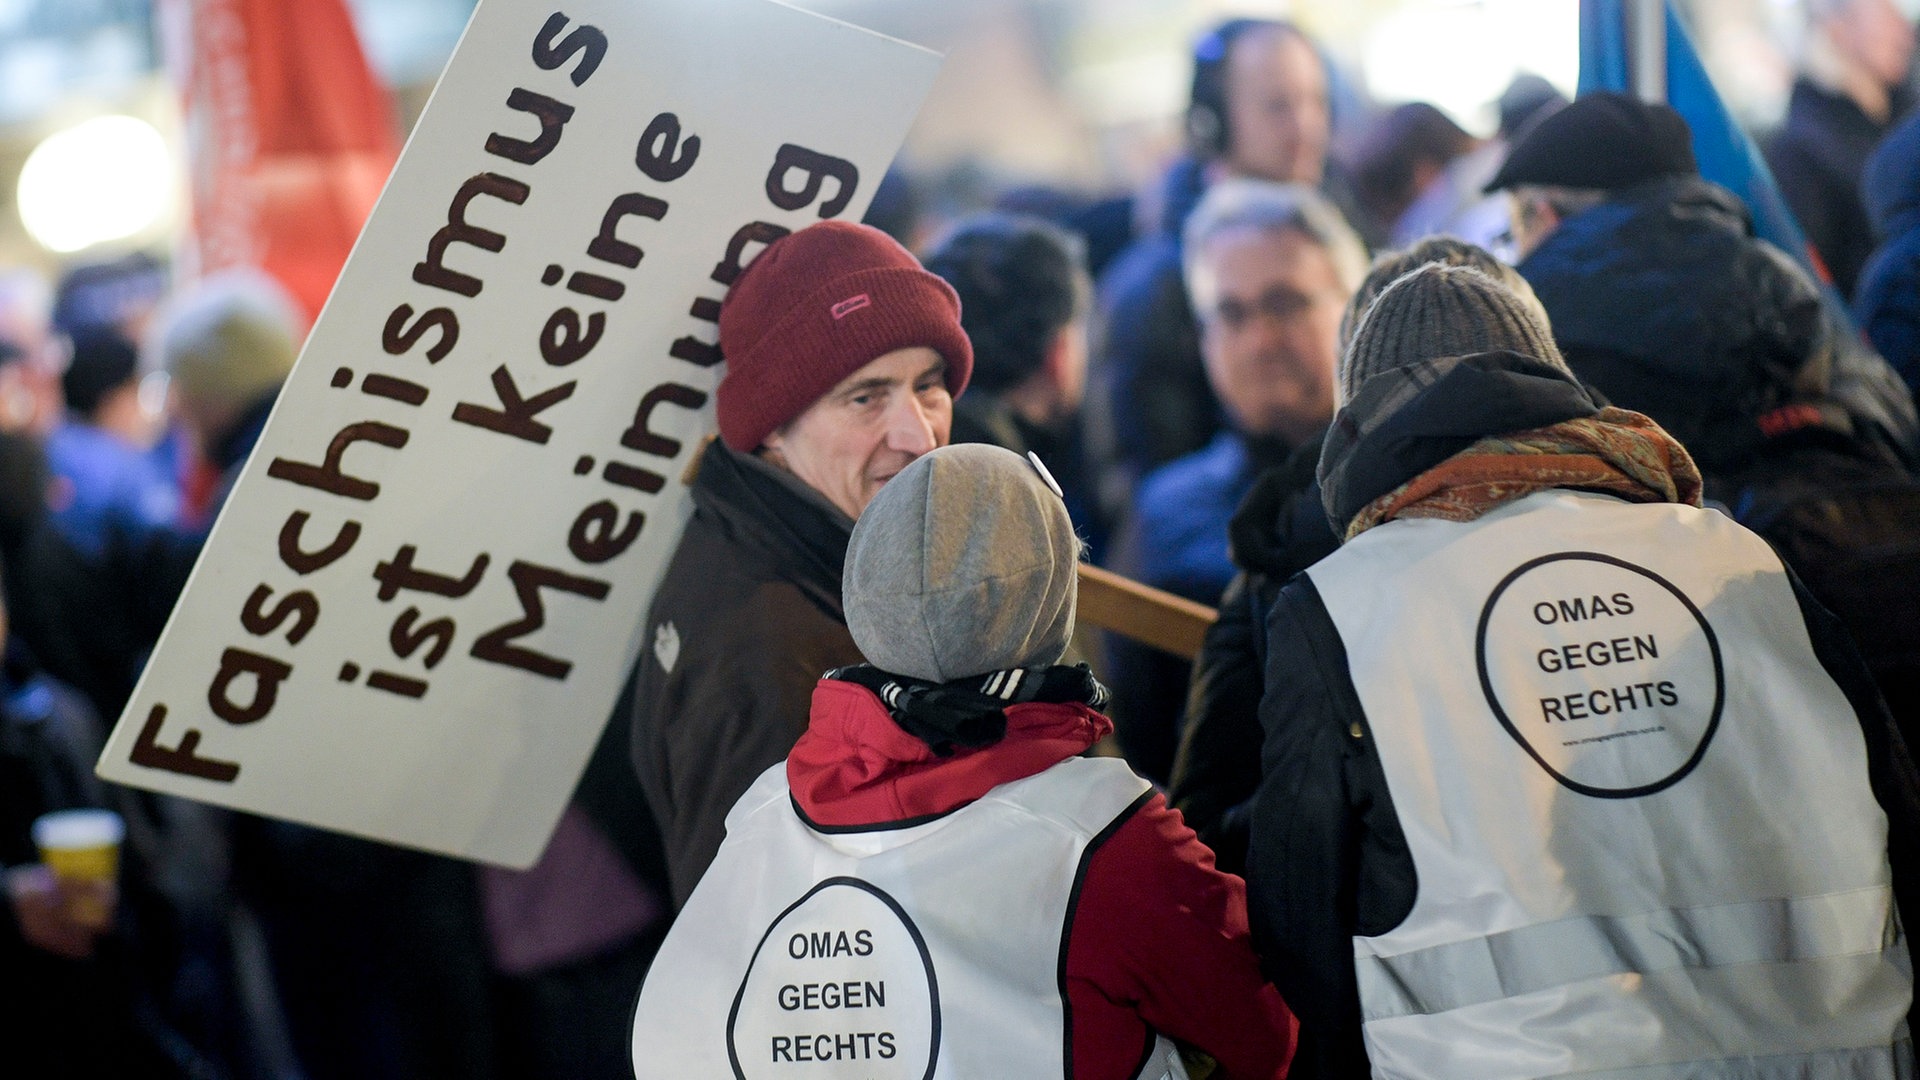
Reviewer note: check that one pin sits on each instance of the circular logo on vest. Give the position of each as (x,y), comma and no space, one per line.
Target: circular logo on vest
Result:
(1603,671)
(840,985)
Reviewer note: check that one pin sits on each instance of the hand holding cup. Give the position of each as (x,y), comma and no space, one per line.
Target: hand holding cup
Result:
(81,848)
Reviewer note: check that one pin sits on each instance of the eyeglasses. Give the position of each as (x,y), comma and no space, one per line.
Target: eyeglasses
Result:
(1280,304)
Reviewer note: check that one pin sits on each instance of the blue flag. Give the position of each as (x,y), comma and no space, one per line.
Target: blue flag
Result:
(1725,153)
(1862,381)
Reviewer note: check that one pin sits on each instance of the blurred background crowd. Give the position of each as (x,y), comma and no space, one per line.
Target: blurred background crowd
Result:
(1095,177)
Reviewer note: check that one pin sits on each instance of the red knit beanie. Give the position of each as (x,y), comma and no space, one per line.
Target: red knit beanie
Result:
(817,306)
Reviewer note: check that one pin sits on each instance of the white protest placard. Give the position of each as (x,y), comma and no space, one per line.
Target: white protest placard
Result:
(420,601)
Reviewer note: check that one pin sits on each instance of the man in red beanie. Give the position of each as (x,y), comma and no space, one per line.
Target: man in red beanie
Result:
(843,360)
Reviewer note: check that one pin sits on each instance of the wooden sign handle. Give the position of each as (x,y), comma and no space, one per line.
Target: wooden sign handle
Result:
(1146,614)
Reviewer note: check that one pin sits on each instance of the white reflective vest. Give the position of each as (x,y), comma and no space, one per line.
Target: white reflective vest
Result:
(1637,805)
(926,951)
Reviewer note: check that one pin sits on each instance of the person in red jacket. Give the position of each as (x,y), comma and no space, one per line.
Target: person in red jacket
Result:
(937,882)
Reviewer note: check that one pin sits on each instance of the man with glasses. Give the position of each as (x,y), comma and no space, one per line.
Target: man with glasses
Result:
(1269,267)
(1260,110)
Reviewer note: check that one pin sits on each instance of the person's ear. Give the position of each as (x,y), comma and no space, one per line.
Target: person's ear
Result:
(1546,214)
(773,451)
(1058,356)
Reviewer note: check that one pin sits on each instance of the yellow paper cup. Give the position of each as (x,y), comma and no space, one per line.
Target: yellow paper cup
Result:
(82,847)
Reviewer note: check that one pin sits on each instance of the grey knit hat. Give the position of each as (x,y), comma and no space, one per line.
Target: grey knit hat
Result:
(964,563)
(1437,311)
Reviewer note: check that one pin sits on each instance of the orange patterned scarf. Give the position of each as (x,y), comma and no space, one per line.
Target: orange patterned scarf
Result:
(1617,452)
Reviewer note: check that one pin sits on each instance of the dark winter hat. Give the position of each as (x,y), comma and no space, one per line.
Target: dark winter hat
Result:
(1603,140)
(817,306)
(1438,311)
(964,563)
(103,360)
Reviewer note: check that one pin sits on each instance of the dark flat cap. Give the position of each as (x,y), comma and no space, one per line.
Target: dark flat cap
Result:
(1603,140)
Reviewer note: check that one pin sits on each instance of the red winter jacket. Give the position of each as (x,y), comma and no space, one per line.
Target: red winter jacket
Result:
(1159,938)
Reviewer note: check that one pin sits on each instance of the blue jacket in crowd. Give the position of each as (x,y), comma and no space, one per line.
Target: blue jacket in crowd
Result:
(1887,303)
(109,483)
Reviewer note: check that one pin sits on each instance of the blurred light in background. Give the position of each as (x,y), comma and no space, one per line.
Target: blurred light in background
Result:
(51,50)
(1085,94)
(105,179)
(408,41)
(1460,55)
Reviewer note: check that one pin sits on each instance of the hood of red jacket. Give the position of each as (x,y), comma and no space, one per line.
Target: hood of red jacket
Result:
(855,766)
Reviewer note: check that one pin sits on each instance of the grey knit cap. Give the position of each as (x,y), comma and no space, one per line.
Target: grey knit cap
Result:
(964,563)
(1438,310)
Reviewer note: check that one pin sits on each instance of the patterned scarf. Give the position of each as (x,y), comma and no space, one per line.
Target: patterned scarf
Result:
(1617,452)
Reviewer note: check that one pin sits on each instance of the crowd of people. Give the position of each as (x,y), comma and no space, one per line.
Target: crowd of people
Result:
(1564,538)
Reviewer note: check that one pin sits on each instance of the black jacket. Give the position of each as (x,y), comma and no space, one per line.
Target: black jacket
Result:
(1730,349)
(1279,530)
(126,1010)
(1847,520)
(1662,298)
(746,620)
(91,619)
(1328,859)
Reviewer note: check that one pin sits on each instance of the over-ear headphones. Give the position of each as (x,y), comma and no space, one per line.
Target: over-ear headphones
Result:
(1208,131)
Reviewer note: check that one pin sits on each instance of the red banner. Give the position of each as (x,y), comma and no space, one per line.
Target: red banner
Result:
(289,136)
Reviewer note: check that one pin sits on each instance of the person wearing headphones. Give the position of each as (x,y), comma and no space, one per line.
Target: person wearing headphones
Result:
(1259,110)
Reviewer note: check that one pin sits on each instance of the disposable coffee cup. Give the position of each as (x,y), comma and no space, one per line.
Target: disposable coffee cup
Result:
(82,847)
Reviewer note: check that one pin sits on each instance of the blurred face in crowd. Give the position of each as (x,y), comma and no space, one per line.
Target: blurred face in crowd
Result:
(1874,35)
(869,427)
(1055,393)
(29,397)
(1269,303)
(1066,362)
(1276,94)
(30,358)
(1073,364)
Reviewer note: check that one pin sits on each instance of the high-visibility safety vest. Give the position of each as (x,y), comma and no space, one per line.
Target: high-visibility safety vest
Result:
(922,951)
(1637,805)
